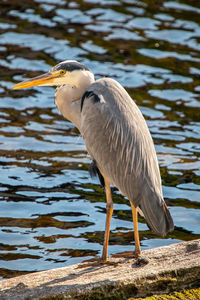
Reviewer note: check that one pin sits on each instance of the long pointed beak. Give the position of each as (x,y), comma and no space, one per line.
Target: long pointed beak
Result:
(45,79)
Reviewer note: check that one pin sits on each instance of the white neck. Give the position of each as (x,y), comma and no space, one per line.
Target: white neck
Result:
(68,98)
(69,106)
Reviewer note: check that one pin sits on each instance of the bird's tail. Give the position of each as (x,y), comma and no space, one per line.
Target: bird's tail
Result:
(157,215)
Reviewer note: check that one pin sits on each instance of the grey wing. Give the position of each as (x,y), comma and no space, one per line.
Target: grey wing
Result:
(118,139)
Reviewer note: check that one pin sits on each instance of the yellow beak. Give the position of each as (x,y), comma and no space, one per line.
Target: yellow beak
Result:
(45,79)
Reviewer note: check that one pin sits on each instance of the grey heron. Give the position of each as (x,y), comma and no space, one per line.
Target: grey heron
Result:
(117,139)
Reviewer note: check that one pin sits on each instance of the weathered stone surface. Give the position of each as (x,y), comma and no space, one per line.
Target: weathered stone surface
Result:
(169,268)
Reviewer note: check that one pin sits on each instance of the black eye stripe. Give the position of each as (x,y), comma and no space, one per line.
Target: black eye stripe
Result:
(70,66)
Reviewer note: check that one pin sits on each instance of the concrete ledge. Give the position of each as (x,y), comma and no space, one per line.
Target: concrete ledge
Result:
(169,268)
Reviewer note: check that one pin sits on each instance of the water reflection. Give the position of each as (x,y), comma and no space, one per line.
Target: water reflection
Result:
(51,213)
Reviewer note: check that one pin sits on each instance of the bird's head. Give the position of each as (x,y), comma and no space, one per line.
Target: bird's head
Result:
(69,72)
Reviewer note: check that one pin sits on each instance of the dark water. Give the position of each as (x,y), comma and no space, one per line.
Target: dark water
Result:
(51,213)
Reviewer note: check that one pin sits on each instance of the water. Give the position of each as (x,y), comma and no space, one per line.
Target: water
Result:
(51,213)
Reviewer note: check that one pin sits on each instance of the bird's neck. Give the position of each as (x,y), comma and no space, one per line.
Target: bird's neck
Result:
(84,80)
(68,98)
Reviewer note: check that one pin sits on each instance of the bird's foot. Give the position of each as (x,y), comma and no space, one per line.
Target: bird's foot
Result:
(96,262)
(128,254)
(139,262)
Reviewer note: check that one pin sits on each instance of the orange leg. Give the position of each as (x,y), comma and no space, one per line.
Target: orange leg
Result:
(109,212)
(136,234)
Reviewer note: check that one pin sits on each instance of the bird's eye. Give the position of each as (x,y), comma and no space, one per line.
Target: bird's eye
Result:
(62,72)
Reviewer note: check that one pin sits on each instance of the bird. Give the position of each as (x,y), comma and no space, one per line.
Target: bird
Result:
(117,139)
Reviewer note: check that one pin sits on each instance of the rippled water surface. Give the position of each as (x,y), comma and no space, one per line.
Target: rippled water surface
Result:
(51,213)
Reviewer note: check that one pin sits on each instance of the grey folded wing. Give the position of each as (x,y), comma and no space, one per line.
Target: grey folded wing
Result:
(118,139)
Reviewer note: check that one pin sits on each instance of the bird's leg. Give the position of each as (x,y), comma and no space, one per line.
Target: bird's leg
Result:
(109,211)
(136,234)
(137,252)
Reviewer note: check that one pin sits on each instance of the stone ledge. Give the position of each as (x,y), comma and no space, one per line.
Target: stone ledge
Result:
(170,268)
